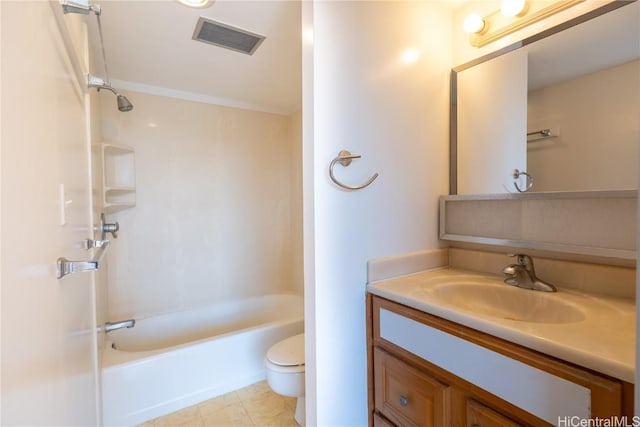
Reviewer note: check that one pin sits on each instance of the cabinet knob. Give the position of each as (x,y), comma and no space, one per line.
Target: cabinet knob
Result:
(404,401)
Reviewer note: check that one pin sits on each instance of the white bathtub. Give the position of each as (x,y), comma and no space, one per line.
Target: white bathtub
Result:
(168,362)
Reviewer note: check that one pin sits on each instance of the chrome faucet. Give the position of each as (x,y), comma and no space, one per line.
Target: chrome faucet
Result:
(112,326)
(523,275)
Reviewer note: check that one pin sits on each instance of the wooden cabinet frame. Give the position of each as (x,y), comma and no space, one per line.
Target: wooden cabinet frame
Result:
(610,397)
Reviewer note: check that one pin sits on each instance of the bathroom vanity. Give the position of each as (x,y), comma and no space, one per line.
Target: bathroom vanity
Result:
(449,347)
(452,347)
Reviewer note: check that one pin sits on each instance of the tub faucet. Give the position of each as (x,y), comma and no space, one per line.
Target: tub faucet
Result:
(112,326)
(523,275)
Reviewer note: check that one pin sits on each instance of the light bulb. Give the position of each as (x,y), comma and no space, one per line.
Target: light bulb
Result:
(473,23)
(511,8)
(196,3)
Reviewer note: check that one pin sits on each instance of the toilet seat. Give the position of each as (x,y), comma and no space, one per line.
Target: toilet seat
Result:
(288,353)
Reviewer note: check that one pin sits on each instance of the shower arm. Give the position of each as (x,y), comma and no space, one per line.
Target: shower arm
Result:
(82,7)
(123,103)
(99,84)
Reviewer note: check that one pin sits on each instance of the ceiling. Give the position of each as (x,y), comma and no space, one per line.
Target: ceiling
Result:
(149,48)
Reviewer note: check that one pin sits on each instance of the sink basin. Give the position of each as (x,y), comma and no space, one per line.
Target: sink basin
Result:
(506,302)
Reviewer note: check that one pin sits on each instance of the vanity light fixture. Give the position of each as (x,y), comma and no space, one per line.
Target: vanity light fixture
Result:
(513,16)
(196,3)
(511,8)
(474,24)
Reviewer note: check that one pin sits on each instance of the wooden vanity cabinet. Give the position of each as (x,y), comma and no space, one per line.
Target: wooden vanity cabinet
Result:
(407,390)
(408,396)
(479,415)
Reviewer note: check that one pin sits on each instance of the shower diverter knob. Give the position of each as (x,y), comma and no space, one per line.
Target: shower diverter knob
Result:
(108,228)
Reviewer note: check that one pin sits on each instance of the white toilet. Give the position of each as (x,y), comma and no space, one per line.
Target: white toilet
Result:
(285,371)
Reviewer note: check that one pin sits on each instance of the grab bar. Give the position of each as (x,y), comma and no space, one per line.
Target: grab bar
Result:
(65,266)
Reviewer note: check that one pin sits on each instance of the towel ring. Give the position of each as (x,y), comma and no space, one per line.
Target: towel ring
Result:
(529,182)
(345,158)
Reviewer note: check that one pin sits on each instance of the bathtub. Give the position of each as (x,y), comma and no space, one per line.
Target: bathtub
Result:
(168,362)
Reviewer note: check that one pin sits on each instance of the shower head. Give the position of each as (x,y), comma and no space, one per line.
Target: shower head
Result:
(123,103)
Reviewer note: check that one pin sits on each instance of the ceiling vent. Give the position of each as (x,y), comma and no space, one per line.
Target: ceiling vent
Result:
(219,34)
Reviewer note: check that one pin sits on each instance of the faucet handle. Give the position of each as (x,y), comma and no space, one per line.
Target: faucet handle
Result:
(523,259)
(105,228)
(510,270)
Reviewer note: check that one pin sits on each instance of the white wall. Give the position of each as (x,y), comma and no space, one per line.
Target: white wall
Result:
(48,325)
(599,131)
(296,217)
(359,95)
(214,217)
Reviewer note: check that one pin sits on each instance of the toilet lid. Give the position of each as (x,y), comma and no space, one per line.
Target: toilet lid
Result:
(288,352)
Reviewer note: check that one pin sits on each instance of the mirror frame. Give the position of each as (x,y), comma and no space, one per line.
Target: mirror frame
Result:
(453,107)
(617,221)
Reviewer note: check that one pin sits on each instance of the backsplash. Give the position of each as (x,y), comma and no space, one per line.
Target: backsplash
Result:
(611,280)
(602,279)
(400,265)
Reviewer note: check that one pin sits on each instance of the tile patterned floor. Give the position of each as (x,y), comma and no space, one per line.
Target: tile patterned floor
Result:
(253,406)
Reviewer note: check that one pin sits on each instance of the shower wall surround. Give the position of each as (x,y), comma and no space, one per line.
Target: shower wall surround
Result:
(600,97)
(218,214)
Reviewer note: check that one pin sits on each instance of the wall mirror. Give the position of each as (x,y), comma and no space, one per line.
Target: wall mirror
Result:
(559,111)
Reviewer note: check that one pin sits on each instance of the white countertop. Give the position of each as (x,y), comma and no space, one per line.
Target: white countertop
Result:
(604,340)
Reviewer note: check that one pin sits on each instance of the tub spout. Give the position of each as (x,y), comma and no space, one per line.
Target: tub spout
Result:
(112,326)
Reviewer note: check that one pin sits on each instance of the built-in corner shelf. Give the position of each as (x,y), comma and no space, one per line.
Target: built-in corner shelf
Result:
(118,177)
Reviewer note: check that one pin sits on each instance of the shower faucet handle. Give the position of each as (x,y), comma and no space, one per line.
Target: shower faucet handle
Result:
(111,228)
(106,227)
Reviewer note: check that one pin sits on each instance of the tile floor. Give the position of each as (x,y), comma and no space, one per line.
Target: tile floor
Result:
(253,406)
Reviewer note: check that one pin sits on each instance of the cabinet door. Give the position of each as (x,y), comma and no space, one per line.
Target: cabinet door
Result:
(479,415)
(406,396)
